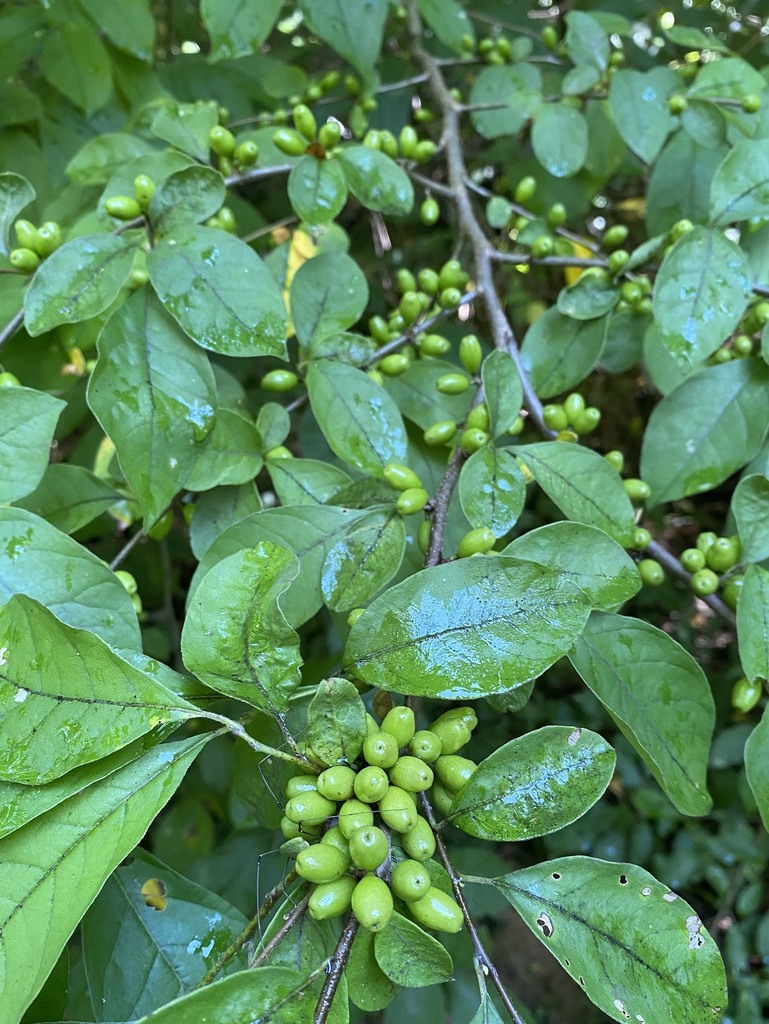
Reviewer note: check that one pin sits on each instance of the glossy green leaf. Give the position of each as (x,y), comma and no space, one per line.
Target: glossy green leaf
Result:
(559,352)
(219,291)
(363,560)
(69,496)
(705,429)
(79,281)
(186,126)
(502,390)
(376,180)
(740,187)
(38,560)
(665,372)
(307,530)
(235,636)
(534,785)
(173,939)
(705,123)
(15,193)
(336,721)
(231,454)
(98,159)
(154,394)
(357,417)
(27,422)
(76,63)
(275,994)
(595,563)
(417,398)
(519,87)
(753,623)
(583,485)
(757,766)
(354,31)
(623,344)
(466,629)
(635,948)
(589,297)
(317,189)
(237,29)
(700,294)
(369,987)
(84,838)
(492,490)
(586,41)
(559,139)
(346,346)
(638,102)
(328,294)
(448,20)
(273,424)
(131,28)
(305,481)
(730,76)
(680,180)
(750,508)
(659,697)
(218,509)
(409,956)
(188,196)
(67,699)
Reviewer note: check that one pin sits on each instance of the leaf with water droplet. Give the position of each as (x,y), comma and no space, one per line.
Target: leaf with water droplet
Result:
(328,294)
(559,138)
(363,560)
(336,721)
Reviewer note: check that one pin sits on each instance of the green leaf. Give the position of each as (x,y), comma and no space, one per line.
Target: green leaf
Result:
(700,294)
(218,509)
(376,180)
(69,497)
(623,343)
(705,123)
(448,20)
(363,560)
(188,196)
(583,486)
(317,189)
(67,699)
(740,186)
(519,86)
(237,29)
(586,41)
(486,1013)
(492,490)
(273,424)
(559,352)
(534,785)
(750,508)
(634,947)
(728,77)
(590,296)
(336,721)
(75,62)
(409,956)
(173,939)
(704,430)
(328,294)
(595,563)
(638,102)
(38,560)
(84,838)
(354,31)
(186,126)
(27,422)
(130,28)
(229,455)
(100,157)
(369,987)
(305,481)
(345,347)
(275,994)
(757,765)
(219,292)
(417,398)
(559,139)
(466,629)
(235,636)
(357,417)
(308,531)
(153,392)
(659,697)
(753,623)
(15,193)
(79,281)
(502,390)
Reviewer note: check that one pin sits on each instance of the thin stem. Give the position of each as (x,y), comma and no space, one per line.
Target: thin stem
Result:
(237,730)
(337,965)
(269,228)
(281,933)
(248,932)
(11,327)
(550,261)
(246,177)
(127,548)
(420,328)
(670,562)
(440,505)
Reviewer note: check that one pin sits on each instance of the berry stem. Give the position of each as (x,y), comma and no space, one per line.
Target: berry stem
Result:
(335,967)
(281,933)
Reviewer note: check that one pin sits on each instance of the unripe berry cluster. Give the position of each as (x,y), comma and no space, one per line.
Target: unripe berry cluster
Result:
(572,415)
(708,559)
(367,845)
(34,244)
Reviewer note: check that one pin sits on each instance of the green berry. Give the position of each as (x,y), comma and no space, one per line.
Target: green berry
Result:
(408,140)
(304,121)
(397,810)
(677,103)
(615,236)
(425,151)
(573,406)
(410,307)
(279,452)
(451,275)
(368,848)
(723,554)
(631,292)
(226,220)
(372,903)
(470,353)
(388,144)
(394,365)
(587,420)
(378,329)
(279,380)
(476,542)
(618,260)
(429,212)
(616,459)
(419,842)
(246,154)
(289,828)
(516,427)
(426,745)
(380,750)
(405,281)
(24,260)
(371,784)
(331,899)
(704,582)
(751,103)
(411,774)
(129,583)
(122,207)
(26,234)
(309,809)
(450,298)
(641,538)
(454,771)
(428,281)
(354,814)
(440,433)
(651,572)
(9,380)
(542,247)
(221,140)
(680,228)
(745,695)
(321,863)
(400,477)
(49,238)
(525,189)
(441,799)
(410,881)
(438,911)
(336,783)
(692,559)
(731,591)
(742,345)
(636,490)
(412,501)
(452,384)
(556,215)
(706,540)
(473,439)
(452,734)
(478,418)
(399,722)
(289,141)
(423,536)
(333,837)
(555,417)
